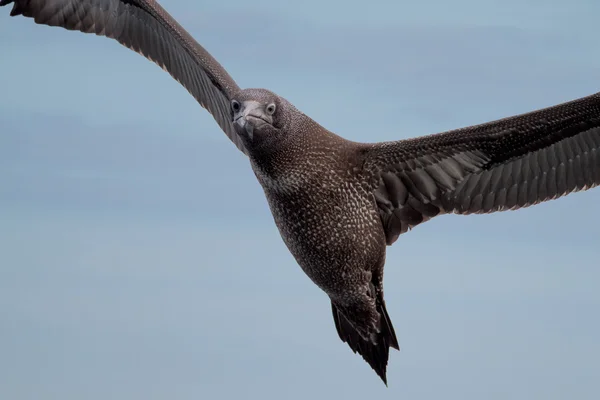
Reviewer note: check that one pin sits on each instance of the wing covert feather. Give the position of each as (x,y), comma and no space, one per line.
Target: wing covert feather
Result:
(501,165)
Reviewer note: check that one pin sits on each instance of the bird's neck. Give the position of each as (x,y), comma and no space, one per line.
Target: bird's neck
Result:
(311,155)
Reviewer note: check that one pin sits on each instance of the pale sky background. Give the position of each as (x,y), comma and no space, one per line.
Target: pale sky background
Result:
(139,260)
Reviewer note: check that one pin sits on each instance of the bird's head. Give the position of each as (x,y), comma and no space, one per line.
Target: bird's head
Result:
(261,117)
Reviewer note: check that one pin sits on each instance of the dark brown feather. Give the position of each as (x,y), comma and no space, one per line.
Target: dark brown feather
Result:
(145,27)
(375,353)
(501,165)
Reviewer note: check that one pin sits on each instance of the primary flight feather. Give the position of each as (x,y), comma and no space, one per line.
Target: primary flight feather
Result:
(338,203)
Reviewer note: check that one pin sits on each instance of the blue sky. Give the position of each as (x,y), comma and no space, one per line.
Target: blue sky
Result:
(138,257)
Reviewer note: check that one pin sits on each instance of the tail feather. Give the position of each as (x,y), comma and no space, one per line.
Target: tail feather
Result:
(374,352)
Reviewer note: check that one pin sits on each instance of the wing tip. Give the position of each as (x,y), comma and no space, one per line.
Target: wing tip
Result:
(16,10)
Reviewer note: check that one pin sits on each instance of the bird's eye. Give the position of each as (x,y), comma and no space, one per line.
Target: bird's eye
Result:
(271,108)
(235,105)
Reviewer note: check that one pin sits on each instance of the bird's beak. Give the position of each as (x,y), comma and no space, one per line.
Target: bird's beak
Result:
(251,115)
(245,126)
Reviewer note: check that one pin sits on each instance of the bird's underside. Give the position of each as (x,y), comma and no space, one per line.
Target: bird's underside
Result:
(390,187)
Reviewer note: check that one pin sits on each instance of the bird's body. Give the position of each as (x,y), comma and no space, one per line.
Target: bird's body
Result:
(340,248)
(337,203)
(322,201)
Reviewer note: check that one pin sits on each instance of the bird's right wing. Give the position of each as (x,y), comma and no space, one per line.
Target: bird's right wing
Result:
(501,165)
(145,27)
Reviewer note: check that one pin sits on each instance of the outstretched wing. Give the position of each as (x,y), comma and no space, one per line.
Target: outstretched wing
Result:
(502,165)
(145,27)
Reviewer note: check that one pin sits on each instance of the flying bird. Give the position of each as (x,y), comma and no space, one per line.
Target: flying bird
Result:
(337,203)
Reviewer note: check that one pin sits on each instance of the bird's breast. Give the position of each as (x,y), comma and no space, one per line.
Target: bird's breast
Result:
(330,224)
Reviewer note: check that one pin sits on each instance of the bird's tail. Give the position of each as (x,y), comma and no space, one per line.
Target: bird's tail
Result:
(375,352)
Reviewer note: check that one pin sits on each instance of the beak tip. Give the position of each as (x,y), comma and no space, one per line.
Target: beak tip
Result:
(244,126)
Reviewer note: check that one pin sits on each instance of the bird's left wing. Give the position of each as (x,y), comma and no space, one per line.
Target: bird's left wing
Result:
(502,165)
(145,27)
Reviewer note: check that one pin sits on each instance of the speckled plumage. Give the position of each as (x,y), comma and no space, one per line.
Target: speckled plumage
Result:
(337,203)
(323,204)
